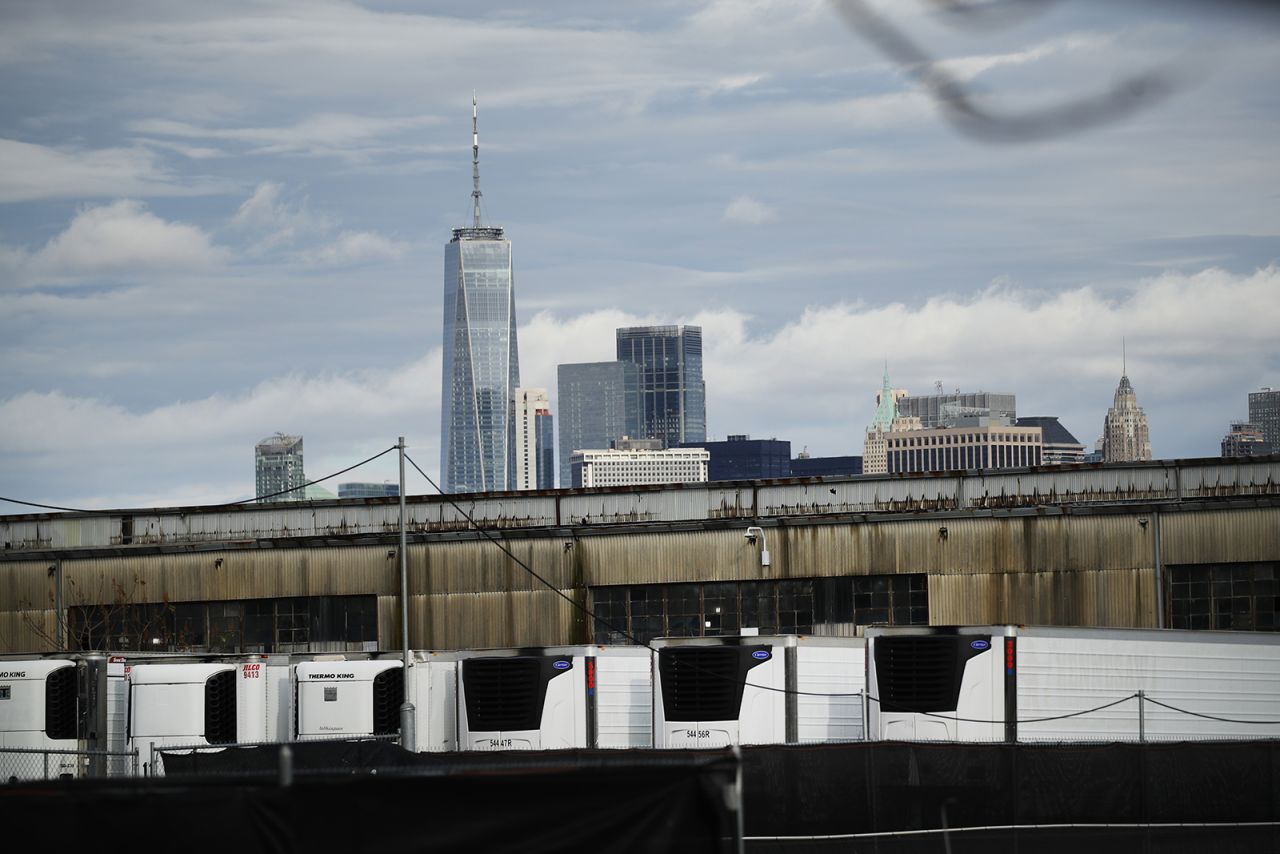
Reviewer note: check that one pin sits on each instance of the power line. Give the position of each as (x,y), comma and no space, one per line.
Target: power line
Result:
(225,504)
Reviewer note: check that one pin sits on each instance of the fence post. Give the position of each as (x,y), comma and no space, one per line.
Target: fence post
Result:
(45,754)
(1142,717)
(286,765)
(151,767)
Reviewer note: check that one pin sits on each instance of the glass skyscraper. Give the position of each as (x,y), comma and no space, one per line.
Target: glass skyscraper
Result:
(673,397)
(481,362)
(599,403)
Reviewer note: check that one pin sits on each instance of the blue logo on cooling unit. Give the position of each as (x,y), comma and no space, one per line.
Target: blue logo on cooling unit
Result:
(980,644)
(561,664)
(760,654)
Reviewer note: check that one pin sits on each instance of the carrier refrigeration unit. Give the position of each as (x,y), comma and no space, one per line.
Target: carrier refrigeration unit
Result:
(197,703)
(547,698)
(1016,683)
(53,704)
(783,689)
(337,698)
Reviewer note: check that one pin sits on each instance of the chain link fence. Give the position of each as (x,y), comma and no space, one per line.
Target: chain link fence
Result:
(20,764)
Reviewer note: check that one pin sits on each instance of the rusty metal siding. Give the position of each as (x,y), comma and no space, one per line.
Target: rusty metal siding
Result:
(474,566)
(28,631)
(1123,598)
(1224,478)
(485,620)
(1220,536)
(870,495)
(237,574)
(671,557)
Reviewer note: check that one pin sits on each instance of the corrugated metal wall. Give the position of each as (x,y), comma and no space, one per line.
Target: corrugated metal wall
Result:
(1046,486)
(1051,568)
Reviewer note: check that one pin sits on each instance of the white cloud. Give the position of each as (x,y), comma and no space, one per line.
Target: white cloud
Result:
(122,237)
(1192,355)
(143,458)
(745,210)
(355,247)
(39,172)
(330,134)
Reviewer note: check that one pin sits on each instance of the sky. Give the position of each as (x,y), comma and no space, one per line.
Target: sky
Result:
(223,220)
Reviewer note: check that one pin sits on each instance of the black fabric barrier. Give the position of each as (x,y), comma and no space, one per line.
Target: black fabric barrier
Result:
(622,802)
(893,786)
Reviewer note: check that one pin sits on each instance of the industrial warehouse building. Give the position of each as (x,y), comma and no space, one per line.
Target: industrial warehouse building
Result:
(1181,544)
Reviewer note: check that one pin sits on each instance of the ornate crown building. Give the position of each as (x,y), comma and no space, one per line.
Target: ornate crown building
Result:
(1124,431)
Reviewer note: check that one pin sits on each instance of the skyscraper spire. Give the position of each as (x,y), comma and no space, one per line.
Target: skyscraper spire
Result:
(475,160)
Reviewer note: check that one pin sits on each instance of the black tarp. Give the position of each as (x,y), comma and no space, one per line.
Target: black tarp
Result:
(531,803)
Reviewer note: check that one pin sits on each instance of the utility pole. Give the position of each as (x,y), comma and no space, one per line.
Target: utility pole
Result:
(408,738)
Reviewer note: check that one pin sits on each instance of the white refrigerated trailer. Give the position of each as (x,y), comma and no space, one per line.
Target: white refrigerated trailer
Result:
(198,703)
(780,689)
(547,698)
(338,698)
(52,704)
(1022,683)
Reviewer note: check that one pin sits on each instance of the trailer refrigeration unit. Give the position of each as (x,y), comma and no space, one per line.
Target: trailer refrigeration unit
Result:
(56,703)
(340,699)
(782,689)
(547,698)
(1016,683)
(197,703)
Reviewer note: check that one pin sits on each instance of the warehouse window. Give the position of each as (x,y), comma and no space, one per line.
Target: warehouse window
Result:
(297,624)
(1242,596)
(827,606)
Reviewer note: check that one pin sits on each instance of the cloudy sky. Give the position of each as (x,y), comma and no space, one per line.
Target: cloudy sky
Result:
(223,220)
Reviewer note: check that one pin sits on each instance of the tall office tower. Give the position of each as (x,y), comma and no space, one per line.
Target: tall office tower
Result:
(532,419)
(545,428)
(1060,447)
(673,396)
(481,362)
(277,462)
(875,459)
(1245,440)
(1124,430)
(598,403)
(1264,413)
(946,410)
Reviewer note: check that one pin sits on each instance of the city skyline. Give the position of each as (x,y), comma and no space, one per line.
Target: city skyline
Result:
(229,219)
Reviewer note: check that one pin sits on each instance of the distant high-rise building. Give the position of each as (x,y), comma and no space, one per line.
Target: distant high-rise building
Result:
(673,396)
(875,458)
(1060,447)
(481,361)
(1245,440)
(368,490)
(534,454)
(277,464)
(985,446)
(1124,430)
(1264,413)
(635,467)
(945,410)
(598,403)
(743,458)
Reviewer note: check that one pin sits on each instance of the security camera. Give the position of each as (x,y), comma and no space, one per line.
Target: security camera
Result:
(751,537)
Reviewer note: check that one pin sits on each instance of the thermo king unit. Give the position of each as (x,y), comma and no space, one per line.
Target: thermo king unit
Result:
(780,689)
(52,704)
(196,703)
(547,698)
(337,698)
(1019,683)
